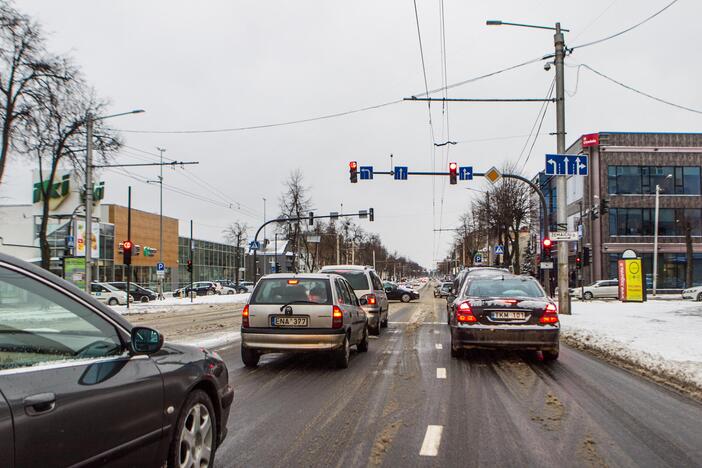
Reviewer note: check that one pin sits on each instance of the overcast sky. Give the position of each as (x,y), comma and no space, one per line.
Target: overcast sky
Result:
(225,64)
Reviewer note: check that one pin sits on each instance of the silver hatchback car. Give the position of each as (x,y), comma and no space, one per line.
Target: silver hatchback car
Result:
(303,313)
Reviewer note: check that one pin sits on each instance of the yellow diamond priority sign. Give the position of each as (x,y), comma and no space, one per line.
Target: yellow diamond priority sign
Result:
(493,175)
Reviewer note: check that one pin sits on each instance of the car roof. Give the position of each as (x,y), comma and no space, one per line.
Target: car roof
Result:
(347,267)
(300,275)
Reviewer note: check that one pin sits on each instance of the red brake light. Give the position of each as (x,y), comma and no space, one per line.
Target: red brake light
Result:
(550,315)
(464,314)
(371,299)
(337,317)
(245,317)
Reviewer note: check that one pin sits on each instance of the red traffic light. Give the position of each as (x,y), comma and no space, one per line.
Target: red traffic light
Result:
(127,245)
(453,167)
(353,165)
(548,242)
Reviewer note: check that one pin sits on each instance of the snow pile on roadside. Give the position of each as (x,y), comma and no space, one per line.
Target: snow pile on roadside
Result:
(659,338)
(173,303)
(211,341)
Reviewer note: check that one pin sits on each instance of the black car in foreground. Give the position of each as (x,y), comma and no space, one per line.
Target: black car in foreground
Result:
(79,385)
(505,311)
(398,293)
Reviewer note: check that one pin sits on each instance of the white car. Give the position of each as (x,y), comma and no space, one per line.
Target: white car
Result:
(598,290)
(108,294)
(694,293)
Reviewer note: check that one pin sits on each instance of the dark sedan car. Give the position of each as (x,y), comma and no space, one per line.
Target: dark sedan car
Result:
(398,293)
(504,311)
(137,292)
(79,385)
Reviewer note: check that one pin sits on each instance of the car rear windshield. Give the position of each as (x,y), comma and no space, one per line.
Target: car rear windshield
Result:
(508,287)
(286,290)
(357,279)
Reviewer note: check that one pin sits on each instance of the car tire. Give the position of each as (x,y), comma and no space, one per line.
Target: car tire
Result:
(210,292)
(375,331)
(362,345)
(343,354)
(550,355)
(196,433)
(112,301)
(405,297)
(588,296)
(144,299)
(230,292)
(384,323)
(455,352)
(250,357)
(699,297)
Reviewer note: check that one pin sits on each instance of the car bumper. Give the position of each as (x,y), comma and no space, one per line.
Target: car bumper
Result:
(283,340)
(373,316)
(689,295)
(505,336)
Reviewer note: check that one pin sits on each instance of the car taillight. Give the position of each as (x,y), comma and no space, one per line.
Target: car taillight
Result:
(371,299)
(550,314)
(464,314)
(337,317)
(245,317)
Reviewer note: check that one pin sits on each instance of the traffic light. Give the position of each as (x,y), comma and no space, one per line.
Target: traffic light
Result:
(453,172)
(604,206)
(353,171)
(189,266)
(277,267)
(127,252)
(547,244)
(586,256)
(578,262)
(311,218)
(371,214)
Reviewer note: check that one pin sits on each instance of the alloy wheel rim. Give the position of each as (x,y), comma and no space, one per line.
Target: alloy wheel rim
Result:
(195,444)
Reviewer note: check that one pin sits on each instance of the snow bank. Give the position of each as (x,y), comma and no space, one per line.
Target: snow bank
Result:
(174,303)
(212,341)
(660,338)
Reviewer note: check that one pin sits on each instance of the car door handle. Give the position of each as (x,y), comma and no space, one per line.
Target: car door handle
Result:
(39,403)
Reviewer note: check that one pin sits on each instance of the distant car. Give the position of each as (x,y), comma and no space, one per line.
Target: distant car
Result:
(506,311)
(396,292)
(443,289)
(601,289)
(81,386)
(230,287)
(200,288)
(137,292)
(104,292)
(246,286)
(694,293)
(366,285)
(303,313)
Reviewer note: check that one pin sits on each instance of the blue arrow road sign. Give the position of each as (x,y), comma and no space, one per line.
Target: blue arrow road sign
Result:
(160,266)
(401,172)
(465,173)
(566,164)
(499,250)
(366,172)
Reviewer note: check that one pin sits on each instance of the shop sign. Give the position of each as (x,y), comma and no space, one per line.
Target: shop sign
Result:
(74,271)
(631,280)
(591,139)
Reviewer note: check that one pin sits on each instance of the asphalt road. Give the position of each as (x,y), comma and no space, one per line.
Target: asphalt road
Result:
(408,403)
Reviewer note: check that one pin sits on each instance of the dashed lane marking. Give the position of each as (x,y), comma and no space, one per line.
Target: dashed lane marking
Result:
(439,346)
(432,441)
(418,323)
(440,372)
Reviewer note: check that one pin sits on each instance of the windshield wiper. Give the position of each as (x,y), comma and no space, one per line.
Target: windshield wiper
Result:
(297,302)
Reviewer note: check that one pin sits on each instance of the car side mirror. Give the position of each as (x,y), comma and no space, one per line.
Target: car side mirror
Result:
(363,301)
(146,340)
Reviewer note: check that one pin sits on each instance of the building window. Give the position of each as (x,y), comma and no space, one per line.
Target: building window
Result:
(641,221)
(642,180)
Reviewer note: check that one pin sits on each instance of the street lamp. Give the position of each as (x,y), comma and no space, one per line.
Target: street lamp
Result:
(561,188)
(655,236)
(89,120)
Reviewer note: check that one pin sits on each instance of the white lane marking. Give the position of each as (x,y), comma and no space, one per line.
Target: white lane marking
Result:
(436,332)
(439,346)
(440,372)
(432,440)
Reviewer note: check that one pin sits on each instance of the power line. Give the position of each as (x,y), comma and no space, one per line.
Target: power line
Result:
(631,88)
(581,31)
(612,36)
(536,122)
(538,130)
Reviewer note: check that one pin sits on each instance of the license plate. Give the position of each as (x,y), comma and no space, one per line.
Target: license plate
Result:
(509,315)
(290,321)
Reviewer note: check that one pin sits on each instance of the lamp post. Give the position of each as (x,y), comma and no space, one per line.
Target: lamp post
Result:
(89,120)
(160,223)
(561,187)
(655,236)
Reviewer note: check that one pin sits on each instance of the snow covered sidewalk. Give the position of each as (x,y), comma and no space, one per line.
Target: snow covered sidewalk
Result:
(662,339)
(177,303)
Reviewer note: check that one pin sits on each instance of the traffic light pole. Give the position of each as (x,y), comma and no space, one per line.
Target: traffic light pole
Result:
(129,237)
(190,249)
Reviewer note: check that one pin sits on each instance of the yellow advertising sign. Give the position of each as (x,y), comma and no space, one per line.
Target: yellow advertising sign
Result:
(631,280)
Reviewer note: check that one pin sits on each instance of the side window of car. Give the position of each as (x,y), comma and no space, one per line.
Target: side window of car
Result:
(40,324)
(341,296)
(351,294)
(377,284)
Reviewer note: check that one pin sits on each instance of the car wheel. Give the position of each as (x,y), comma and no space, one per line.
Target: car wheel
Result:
(455,352)
(144,299)
(343,354)
(375,331)
(384,323)
(210,292)
(250,357)
(112,301)
(362,346)
(230,292)
(588,296)
(699,297)
(405,297)
(550,354)
(195,438)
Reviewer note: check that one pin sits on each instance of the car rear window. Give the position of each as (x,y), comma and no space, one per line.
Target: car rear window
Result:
(357,279)
(285,290)
(508,287)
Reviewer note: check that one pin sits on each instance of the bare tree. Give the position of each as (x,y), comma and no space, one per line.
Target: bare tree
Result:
(235,234)
(24,62)
(54,133)
(294,203)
